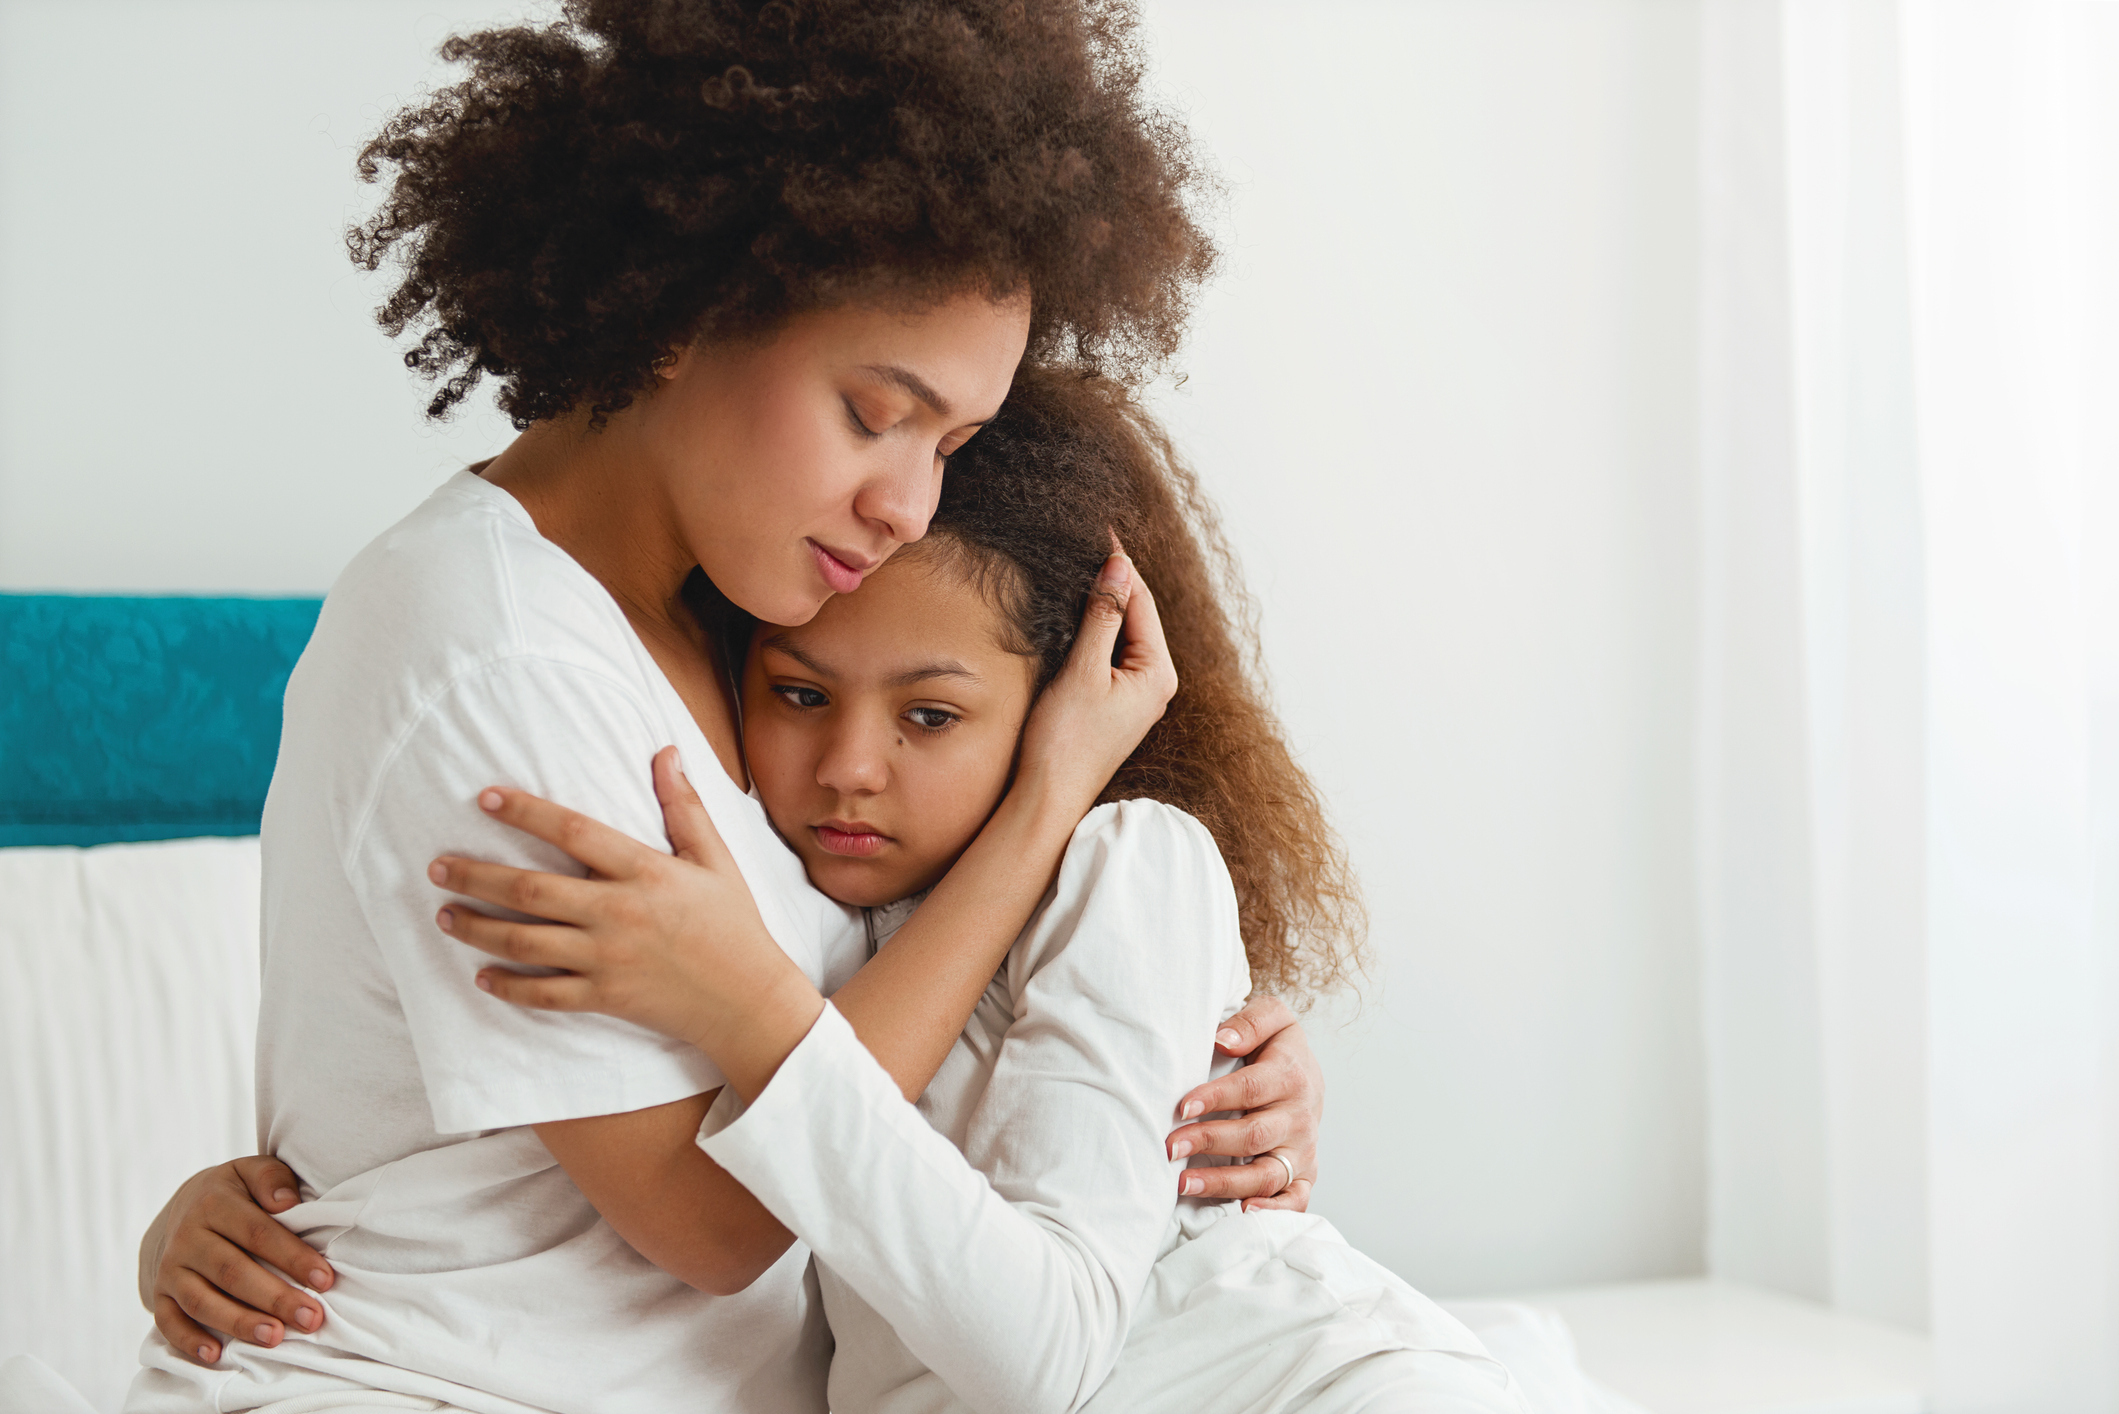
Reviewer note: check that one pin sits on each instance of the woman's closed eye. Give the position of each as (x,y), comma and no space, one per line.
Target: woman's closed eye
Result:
(802,699)
(858,423)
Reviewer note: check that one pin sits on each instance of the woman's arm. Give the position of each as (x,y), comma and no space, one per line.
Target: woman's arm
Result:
(733,993)
(633,944)
(1013,1280)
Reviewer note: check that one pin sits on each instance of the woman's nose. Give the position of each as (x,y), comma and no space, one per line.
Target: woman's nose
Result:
(902,501)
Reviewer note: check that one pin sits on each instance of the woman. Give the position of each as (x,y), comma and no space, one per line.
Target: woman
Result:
(1013,1244)
(747,274)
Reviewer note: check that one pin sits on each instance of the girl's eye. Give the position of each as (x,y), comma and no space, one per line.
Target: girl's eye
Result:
(931,719)
(800,698)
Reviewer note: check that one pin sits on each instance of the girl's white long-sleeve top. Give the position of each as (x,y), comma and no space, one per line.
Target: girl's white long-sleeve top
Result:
(994,1240)
(1007,1244)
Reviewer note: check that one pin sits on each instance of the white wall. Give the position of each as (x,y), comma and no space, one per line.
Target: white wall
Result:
(1444,391)
(192,393)
(1445,395)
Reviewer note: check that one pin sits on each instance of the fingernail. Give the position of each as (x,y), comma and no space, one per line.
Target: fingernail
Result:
(1191,1184)
(307,1318)
(1182,1149)
(283,1195)
(1194,1109)
(438,872)
(1226,1038)
(263,1333)
(1116,571)
(206,1354)
(485,983)
(677,762)
(489,800)
(320,1279)
(447,919)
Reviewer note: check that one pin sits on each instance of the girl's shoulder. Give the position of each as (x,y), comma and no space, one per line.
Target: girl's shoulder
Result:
(1142,899)
(1142,830)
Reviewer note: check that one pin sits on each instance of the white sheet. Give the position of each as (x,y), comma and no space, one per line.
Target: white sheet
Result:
(128,1006)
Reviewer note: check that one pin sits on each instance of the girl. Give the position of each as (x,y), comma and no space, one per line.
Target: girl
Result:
(1012,1243)
(748,274)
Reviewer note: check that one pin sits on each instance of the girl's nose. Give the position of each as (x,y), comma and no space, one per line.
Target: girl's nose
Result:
(855,762)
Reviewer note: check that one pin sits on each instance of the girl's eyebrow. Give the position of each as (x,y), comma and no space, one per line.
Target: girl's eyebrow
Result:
(926,672)
(932,671)
(781,643)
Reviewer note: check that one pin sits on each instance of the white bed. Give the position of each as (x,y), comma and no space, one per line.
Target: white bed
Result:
(128,1004)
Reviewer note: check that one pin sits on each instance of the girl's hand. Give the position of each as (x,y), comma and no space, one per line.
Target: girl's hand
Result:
(1281,1096)
(1093,714)
(671,942)
(200,1262)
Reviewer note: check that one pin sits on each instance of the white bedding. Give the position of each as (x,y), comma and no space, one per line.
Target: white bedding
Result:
(128,1004)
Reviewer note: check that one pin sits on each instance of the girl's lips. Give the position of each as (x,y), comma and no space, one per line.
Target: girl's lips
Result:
(856,844)
(842,577)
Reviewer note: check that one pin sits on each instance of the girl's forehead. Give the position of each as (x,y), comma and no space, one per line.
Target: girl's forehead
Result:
(912,612)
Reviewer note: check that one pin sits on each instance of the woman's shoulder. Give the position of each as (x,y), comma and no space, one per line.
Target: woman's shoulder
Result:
(461,583)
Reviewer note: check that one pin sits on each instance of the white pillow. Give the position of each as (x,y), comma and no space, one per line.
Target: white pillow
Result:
(128,1018)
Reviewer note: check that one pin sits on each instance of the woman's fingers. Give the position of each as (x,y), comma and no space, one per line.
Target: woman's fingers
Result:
(1295,1198)
(1261,1178)
(539,993)
(527,944)
(1261,1018)
(556,896)
(1253,1132)
(611,853)
(690,829)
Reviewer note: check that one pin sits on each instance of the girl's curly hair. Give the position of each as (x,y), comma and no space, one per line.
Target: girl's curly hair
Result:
(1027,512)
(642,173)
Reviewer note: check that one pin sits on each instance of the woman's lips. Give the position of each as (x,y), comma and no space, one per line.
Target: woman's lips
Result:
(844,578)
(857,843)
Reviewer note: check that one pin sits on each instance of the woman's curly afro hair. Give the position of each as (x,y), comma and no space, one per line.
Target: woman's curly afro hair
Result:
(643,173)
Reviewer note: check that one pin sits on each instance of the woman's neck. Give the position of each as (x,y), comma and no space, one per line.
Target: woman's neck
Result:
(593,495)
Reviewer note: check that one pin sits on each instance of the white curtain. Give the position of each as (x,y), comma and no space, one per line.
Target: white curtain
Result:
(1909,753)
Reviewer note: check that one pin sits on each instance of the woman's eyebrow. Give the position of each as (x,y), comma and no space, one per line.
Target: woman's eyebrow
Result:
(931,671)
(912,383)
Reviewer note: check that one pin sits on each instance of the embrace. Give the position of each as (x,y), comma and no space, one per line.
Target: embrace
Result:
(772,880)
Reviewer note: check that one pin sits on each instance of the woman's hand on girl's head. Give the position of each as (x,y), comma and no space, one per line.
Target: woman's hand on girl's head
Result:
(1095,712)
(671,942)
(201,1261)
(1280,1096)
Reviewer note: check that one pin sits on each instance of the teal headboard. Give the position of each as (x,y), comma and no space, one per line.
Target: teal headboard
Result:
(140,718)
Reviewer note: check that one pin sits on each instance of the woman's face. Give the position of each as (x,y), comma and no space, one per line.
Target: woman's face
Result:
(880,734)
(795,465)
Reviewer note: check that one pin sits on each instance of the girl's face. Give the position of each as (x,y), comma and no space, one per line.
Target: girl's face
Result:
(881,733)
(795,465)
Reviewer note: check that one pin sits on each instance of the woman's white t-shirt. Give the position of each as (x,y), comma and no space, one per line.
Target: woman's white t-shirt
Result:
(462,650)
